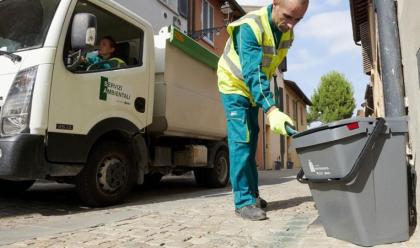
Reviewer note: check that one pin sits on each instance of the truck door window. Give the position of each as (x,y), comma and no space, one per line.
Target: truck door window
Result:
(119,44)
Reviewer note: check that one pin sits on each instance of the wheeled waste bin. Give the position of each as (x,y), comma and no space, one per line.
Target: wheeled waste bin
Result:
(359,178)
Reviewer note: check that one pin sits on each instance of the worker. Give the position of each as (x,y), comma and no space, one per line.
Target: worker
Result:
(257,44)
(104,58)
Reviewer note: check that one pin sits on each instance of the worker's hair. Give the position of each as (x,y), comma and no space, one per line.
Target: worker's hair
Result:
(111,40)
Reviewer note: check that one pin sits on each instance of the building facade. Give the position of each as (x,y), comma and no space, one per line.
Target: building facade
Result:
(366,32)
(203,20)
(208,19)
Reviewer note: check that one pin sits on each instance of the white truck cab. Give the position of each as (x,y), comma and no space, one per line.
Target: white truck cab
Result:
(71,115)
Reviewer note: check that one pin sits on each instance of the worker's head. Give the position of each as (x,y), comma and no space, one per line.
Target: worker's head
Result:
(107,47)
(287,13)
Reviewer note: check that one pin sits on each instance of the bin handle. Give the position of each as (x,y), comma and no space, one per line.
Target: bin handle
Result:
(380,123)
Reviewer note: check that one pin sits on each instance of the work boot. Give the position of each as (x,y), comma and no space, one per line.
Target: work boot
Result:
(251,212)
(261,203)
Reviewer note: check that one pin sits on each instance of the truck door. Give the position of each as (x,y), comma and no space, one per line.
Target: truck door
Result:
(104,91)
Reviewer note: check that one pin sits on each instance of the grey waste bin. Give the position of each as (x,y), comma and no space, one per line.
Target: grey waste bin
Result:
(357,173)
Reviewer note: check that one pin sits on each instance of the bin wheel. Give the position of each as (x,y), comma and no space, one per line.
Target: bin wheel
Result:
(218,176)
(108,176)
(8,187)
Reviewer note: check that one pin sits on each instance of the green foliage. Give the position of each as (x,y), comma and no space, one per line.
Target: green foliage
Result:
(333,100)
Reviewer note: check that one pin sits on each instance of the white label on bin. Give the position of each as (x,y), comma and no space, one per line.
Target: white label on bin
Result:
(311,166)
(318,169)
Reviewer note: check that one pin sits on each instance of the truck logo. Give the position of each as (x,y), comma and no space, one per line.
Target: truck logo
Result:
(108,88)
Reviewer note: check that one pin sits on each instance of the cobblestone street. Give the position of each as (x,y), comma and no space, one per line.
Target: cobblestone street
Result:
(176,214)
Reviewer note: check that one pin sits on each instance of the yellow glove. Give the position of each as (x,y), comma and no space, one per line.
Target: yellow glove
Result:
(277,121)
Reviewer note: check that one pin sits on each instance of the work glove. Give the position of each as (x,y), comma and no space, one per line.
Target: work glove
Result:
(278,120)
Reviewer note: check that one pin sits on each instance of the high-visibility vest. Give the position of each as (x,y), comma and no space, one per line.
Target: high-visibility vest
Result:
(229,72)
(120,62)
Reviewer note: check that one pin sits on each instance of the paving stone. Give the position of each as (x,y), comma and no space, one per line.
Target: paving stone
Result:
(171,217)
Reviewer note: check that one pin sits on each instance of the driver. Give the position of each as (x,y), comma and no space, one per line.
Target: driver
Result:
(107,49)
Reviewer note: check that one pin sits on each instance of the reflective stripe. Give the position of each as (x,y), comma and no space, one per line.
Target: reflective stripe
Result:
(266,61)
(254,17)
(227,46)
(285,44)
(233,68)
(257,19)
(269,49)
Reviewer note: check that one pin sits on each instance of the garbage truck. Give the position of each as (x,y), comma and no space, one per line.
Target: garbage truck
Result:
(104,126)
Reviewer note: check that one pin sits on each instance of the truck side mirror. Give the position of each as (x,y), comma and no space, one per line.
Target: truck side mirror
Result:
(83,32)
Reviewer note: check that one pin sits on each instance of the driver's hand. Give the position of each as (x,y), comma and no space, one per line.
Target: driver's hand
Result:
(83,59)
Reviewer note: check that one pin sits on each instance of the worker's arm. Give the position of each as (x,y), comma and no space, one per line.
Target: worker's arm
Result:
(251,55)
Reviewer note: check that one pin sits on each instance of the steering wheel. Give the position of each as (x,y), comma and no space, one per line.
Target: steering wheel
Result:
(73,60)
(103,65)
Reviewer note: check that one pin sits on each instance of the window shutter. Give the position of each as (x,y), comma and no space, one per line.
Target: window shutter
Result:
(366,48)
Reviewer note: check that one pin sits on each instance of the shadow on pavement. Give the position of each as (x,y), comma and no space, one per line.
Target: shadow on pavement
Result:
(51,199)
(289,203)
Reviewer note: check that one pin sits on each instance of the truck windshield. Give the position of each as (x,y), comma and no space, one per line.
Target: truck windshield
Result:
(24,23)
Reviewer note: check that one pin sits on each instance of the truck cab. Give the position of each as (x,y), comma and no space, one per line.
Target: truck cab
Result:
(67,119)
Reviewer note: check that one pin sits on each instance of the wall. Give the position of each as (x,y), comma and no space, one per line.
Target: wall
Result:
(376,82)
(155,11)
(409,24)
(219,40)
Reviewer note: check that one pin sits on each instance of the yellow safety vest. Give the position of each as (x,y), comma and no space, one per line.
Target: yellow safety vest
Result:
(229,72)
(120,62)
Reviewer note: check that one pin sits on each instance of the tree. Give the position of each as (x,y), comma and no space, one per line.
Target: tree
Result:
(333,100)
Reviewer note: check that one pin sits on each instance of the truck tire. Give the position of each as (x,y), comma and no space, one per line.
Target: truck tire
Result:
(218,176)
(8,187)
(108,176)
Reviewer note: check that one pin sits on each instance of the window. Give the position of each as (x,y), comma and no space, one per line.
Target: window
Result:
(302,114)
(183,8)
(295,110)
(281,98)
(287,104)
(208,21)
(127,50)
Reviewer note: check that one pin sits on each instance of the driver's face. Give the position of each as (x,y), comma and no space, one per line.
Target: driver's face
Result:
(105,48)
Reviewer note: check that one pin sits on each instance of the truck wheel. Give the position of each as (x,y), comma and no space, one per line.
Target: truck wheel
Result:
(215,177)
(108,176)
(14,187)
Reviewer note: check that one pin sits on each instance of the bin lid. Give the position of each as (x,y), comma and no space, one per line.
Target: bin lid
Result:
(396,124)
(345,128)
(335,124)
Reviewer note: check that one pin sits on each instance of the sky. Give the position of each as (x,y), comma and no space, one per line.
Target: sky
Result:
(324,42)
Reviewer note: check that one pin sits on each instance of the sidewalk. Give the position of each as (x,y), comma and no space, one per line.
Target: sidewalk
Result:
(177,214)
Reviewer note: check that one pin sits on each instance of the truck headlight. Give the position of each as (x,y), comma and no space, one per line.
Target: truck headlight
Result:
(16,109)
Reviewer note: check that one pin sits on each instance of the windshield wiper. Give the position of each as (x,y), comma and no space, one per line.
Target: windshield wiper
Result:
(13,57)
